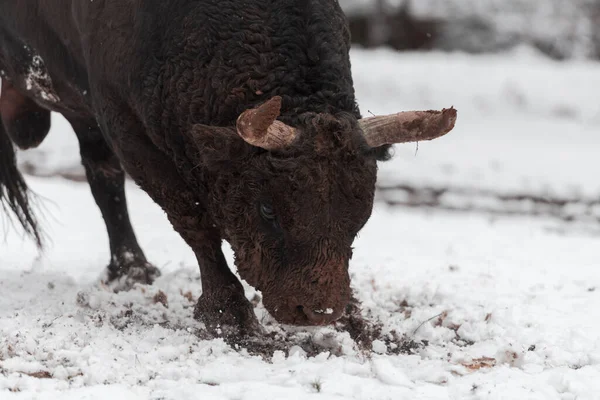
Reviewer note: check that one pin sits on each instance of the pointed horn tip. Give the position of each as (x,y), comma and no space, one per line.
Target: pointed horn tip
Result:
(275,100)
(255,121)
(271,106)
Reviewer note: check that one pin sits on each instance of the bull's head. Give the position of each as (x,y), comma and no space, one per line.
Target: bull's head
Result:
(291,200)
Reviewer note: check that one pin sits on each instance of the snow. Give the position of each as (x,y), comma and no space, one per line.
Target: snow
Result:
(497,305)
(39,81)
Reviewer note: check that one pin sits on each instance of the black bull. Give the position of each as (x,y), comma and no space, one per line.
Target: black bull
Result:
(237,117)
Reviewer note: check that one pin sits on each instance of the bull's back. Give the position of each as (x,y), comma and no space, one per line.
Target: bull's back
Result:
(216,57)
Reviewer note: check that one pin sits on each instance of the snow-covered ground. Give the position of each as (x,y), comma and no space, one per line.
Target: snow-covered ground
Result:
(488,303)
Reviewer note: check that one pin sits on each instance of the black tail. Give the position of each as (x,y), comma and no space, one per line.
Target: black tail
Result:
(14,194)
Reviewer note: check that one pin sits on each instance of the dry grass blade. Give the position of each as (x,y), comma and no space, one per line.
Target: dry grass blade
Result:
(479,363)
(38,374)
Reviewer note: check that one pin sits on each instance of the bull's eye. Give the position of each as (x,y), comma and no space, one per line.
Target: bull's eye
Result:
(266,211)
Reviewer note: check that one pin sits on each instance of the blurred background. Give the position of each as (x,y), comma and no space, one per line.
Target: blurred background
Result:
(560,29)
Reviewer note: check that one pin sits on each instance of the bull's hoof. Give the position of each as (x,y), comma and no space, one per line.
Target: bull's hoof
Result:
(227,313)
(124,273)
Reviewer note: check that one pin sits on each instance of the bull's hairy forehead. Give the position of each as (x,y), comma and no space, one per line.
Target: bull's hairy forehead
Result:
(336,168)
(324,188)
(322,211)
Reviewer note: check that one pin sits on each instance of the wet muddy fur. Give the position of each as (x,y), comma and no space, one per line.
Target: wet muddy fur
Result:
(154,88)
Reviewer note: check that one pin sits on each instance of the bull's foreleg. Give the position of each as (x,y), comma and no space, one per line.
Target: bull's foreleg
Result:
(128,264)
(223,306)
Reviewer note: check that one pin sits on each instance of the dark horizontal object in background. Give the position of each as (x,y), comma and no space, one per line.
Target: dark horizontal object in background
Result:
(396,29)
(401,29)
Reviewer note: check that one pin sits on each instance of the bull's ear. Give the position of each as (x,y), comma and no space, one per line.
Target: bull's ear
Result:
(214,147)
(382,153)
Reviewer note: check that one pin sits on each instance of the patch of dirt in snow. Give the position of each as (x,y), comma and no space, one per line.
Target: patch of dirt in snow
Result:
(353,334)
(577,209)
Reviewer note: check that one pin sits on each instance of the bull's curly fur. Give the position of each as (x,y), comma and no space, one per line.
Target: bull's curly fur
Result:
(166,80)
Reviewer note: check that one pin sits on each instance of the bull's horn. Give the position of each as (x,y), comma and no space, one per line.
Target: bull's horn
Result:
(260,127)
(408,126)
